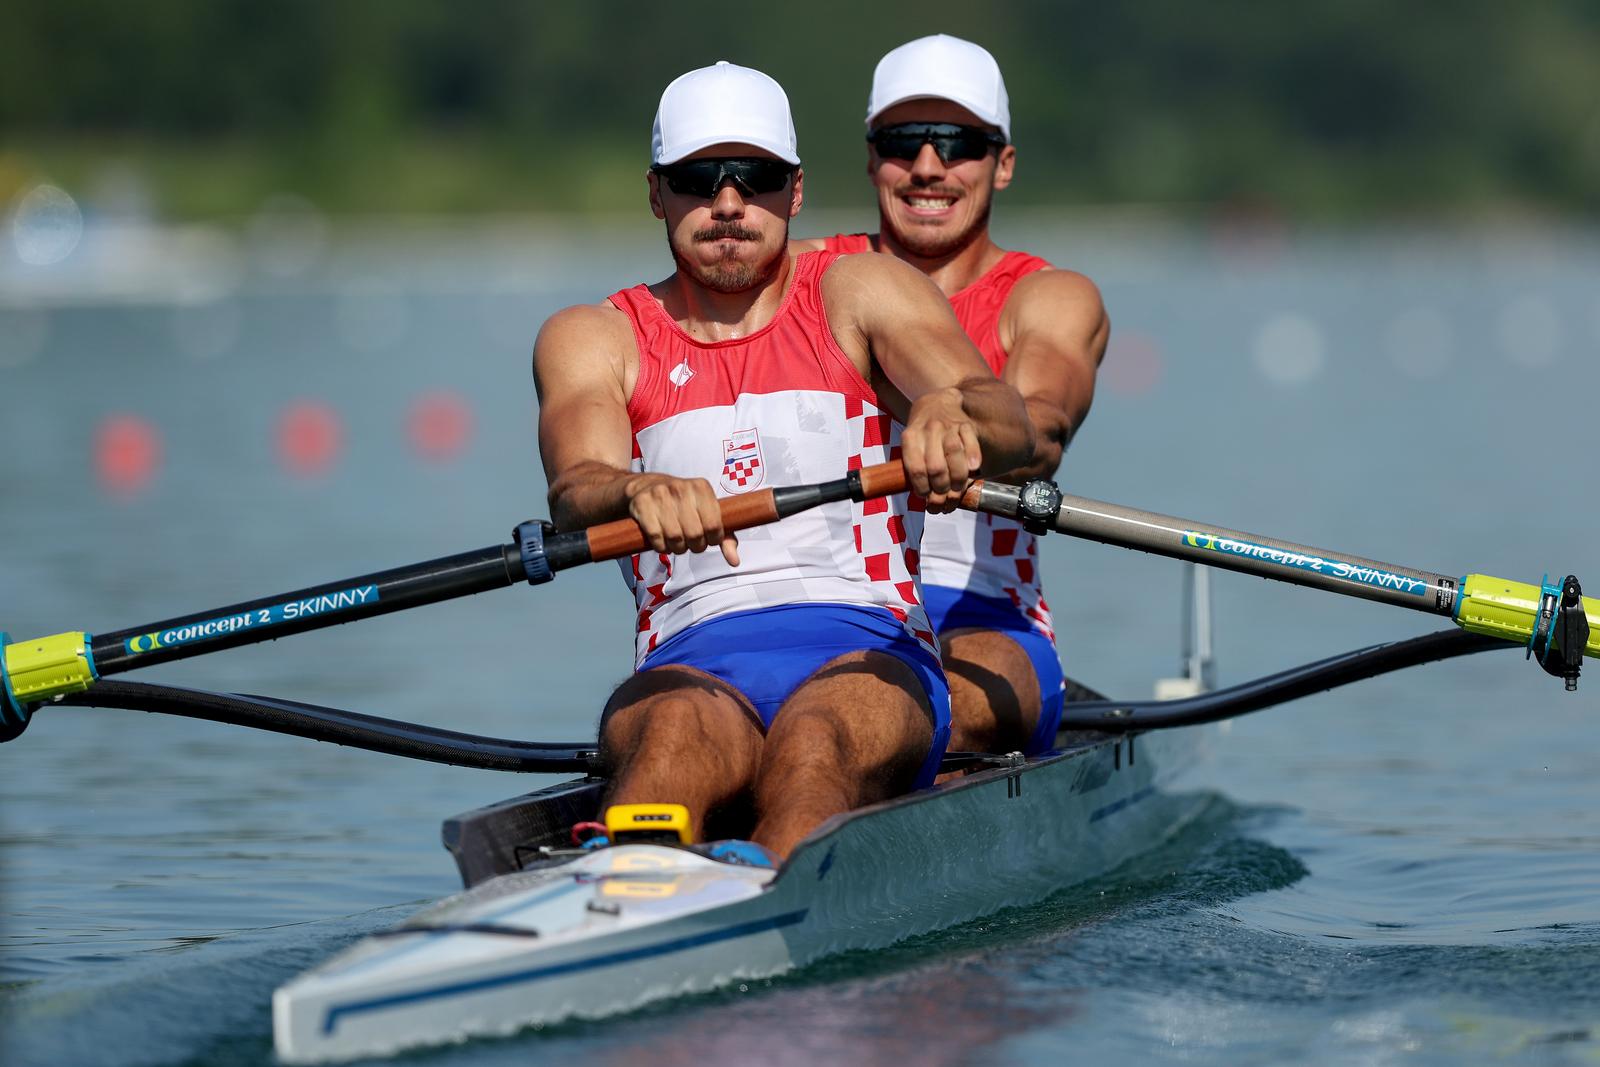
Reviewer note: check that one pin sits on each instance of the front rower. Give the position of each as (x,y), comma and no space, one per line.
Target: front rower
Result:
(798,669)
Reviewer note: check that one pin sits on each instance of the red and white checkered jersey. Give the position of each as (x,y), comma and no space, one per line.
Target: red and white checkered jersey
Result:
(781,406)
(983,553)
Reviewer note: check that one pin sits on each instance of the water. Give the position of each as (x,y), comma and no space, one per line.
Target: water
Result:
(1407,870)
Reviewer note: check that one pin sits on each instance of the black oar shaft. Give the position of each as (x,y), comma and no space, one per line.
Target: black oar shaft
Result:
(1113,716)
(1216,546)
(391,737)
(332,603)
(318,606)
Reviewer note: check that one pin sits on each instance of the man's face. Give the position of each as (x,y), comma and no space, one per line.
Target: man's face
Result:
(736,238)
(931,206)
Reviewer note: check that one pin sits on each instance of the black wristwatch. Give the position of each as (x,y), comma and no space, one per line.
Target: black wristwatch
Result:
(1038,505)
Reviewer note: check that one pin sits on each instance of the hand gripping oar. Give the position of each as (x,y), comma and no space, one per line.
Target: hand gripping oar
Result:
(1555,621)
(42,669)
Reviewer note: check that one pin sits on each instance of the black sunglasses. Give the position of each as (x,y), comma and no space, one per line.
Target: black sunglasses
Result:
(703,177)
(904,140)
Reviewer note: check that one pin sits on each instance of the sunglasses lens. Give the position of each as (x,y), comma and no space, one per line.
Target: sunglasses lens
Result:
(697,178)
(898,146)
(760,175)
(703,177)
(951,141)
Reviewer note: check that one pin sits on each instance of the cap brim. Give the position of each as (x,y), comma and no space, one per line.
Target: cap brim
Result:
(690,147)
(977,112)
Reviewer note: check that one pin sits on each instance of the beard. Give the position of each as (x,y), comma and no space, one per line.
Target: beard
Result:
(730,274)
(931,241)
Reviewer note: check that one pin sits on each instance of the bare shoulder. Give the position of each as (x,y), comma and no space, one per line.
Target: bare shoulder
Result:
(1055,288)
(581,341)
(583,321)
(581,325)
(876,292)
(877,270)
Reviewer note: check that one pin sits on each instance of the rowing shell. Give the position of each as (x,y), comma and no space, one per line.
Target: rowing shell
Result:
(592,934)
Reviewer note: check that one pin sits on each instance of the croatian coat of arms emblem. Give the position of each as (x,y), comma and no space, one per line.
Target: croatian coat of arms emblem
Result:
(742,469)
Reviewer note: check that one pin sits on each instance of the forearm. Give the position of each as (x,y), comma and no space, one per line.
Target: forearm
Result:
(1058,395)
(675,514)
(590,492)
(1000,420)
(1052,429)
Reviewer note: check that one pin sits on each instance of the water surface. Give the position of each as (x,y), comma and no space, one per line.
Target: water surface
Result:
(1404,870)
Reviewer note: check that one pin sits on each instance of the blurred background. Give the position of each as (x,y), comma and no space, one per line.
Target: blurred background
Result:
(269,280)
(1330,110)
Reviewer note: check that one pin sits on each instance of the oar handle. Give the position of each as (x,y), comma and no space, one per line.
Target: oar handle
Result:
(613,540)
(883,479)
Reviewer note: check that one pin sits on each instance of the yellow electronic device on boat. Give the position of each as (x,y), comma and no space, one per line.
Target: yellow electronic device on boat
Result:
(642,823)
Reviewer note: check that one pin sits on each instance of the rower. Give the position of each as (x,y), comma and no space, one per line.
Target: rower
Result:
(938,150)
(797,671)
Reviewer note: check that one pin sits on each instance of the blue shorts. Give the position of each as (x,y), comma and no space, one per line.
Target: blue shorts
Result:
(956,609)
(768,652)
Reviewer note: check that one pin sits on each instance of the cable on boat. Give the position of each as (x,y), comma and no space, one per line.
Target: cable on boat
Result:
(1113,716)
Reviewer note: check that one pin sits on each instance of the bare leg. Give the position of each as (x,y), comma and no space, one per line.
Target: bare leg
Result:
(994,691)
(676,735)
(854,733)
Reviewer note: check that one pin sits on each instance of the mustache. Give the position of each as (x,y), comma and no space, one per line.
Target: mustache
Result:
(721,230)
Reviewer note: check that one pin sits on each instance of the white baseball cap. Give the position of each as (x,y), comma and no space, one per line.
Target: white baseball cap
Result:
(725,103)
(942,67)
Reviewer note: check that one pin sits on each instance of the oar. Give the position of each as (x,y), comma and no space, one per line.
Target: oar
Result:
(49,667)
(391,737)
(1555,621)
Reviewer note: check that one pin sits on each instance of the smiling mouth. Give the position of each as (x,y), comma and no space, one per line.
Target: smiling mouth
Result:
(926,203)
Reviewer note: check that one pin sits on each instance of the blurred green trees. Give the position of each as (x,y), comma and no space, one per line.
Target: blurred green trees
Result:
(1326,109)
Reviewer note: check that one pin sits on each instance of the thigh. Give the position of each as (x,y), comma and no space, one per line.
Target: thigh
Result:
(865,719)
(684,714)
(988,668)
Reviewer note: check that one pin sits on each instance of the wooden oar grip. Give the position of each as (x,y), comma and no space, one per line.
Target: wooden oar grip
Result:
(752,509)
(613,540)
(970,498)
(883,479)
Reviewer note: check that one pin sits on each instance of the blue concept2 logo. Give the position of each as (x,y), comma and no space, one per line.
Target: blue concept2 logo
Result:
(258,618)
(1333,568)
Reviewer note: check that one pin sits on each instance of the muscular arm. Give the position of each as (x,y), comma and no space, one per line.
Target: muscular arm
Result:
(582,373)
(961,418)
(584,432)
(1054,330)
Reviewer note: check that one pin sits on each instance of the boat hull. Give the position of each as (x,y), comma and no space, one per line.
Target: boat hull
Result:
(625,926)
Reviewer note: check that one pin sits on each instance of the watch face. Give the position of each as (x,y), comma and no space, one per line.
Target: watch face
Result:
(1039,498)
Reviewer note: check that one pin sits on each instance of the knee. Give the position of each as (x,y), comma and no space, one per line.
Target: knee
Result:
(666,712)
(859,678)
